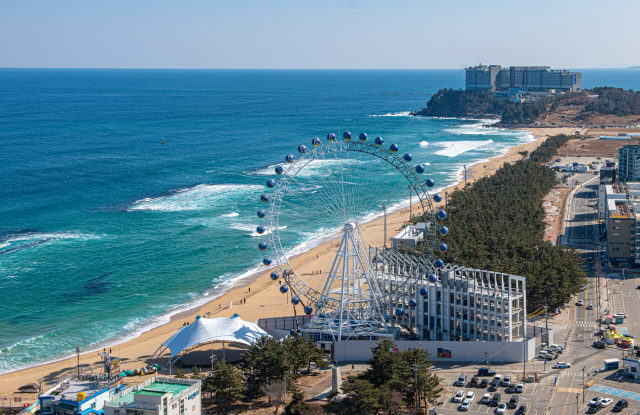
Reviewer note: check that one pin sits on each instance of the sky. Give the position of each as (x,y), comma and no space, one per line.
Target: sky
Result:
(320,34)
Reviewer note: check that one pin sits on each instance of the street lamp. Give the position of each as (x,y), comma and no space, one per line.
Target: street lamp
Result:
(583,383)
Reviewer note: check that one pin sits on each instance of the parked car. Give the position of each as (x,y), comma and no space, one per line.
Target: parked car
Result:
(620,405)
(474,381)
(484,371)
(562,365)
(510,389)
(466,404)
(484,383)
(486,398)
(506,381)
(459,397)
(522,410)
(470,395)
(493,386)
(595,401)
(606,402)
(501,409)
(462,380)
(498,378)
(520,388)
(513,402)
(623,315)
(495,401)
(595,409)
(590,307)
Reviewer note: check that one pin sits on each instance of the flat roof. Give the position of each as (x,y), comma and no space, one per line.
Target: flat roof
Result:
(175,388)
(150,393)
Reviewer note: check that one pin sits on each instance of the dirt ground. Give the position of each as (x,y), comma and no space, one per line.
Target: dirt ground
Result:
(593,148)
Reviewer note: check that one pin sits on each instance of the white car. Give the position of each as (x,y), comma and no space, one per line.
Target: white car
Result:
(595,401)
(520,388)
(606,402)
(459,397)
(501,409)
(623,315)
(466,404)
(486,398)
(580,302)
(506,381)
(470,396)
(562,365)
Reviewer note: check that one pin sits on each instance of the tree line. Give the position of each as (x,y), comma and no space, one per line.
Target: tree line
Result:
(393,382)
(549,148)
(498,224)
(614,101)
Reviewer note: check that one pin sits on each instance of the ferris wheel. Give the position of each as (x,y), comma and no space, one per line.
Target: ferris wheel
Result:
(338,187)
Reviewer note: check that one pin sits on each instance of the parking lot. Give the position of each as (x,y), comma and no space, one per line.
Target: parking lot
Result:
(531,396)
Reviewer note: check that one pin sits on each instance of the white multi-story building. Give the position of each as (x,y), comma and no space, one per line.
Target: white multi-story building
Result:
(158,396)
(463,304)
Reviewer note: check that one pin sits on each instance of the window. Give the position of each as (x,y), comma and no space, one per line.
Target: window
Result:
(616,234)
(182,407)
(617,221)
(616,227)
(164,405)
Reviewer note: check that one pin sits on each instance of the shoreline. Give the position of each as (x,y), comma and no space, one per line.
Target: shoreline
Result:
(136,350)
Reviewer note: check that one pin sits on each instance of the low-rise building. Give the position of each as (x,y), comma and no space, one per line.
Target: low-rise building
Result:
(73,396)
(411,235)
(158,396)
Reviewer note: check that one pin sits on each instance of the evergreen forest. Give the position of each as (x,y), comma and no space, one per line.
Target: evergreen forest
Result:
(498,224)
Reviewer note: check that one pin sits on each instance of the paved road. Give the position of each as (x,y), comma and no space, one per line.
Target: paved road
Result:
(582,234)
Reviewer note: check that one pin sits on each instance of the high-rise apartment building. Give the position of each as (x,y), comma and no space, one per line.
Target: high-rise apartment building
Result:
(533,78)
(629,163)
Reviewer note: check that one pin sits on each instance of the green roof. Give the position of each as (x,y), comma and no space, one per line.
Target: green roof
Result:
(175,388)
(150,393)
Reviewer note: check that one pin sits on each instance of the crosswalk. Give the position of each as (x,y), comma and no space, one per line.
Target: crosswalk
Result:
(576,373)
(589,324)
(570,390)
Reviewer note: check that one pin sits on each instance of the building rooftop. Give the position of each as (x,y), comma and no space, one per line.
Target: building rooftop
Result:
(155,389)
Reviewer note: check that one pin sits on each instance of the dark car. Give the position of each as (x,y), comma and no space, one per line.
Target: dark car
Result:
(474,381)
(495,401)
(513,402)
(484,371)
(510,389)
(484,383)
(600,345)
(620,405)
(522,410)
(494,386)
(595,408)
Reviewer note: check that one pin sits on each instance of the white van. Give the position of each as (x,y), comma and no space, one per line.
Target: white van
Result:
(556,348)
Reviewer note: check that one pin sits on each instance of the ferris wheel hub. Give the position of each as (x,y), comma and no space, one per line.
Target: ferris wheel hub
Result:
(350,226)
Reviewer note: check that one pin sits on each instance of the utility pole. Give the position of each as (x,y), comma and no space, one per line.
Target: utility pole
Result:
(78,366)
(384,209)
(465,175)
(583,383)
(488,360)
(415,382)
(410,215)
(524,360)
(546,316)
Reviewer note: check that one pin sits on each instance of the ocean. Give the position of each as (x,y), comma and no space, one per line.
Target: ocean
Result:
(105,232)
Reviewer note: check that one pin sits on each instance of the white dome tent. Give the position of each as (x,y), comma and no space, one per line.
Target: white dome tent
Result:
(220,329)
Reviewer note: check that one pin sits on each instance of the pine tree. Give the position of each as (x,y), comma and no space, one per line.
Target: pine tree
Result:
(225,382)
(179,374)
(297,404)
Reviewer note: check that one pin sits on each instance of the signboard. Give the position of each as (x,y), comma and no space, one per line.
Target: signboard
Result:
(444,353)
(114,367)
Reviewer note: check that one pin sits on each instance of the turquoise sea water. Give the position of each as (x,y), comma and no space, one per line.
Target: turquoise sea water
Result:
(105,232)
